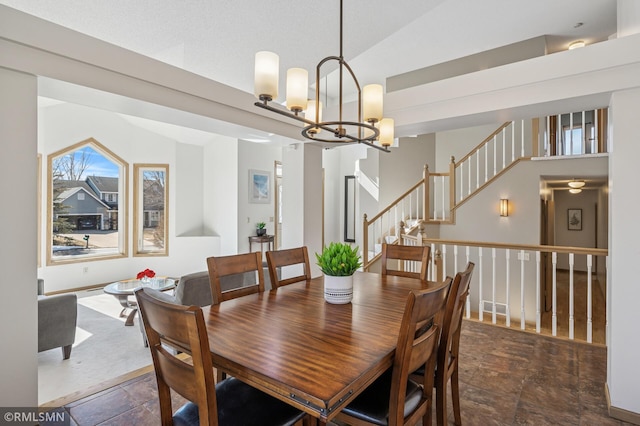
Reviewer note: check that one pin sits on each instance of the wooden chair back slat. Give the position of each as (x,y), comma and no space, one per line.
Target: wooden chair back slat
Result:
(405,253)
(280,258)
(238,265)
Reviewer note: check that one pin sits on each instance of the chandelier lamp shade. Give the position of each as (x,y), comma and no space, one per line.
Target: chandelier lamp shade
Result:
(370,128)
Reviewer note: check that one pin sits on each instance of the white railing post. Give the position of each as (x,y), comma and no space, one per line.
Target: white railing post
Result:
(495,153)
(468,298)
(538,307)
(507,309)
(571,316)
(522,313)
(444,260)
(477,170)
(589,301)
(513,141)
(522,139)
(504,149)
(493,285)
(481,307)
(554,316)
(455,259)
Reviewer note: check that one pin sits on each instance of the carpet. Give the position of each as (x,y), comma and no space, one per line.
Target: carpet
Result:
(103,350)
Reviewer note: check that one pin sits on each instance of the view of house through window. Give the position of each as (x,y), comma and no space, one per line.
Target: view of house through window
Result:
(85,195)
(150,206)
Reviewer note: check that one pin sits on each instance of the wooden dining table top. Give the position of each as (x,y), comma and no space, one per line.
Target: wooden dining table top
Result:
(316,356)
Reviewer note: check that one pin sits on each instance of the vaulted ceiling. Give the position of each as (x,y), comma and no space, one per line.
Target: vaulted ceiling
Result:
(218,38)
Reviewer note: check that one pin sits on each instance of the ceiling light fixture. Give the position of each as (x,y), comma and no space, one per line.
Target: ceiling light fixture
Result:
(367,130)
(576,44)
(575,190)
(576,184)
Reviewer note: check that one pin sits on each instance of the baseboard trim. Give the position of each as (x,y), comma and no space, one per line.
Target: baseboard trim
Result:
(620,413)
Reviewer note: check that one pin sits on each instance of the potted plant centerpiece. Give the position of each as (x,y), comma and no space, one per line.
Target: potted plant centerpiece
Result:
(338,262)
(261,229)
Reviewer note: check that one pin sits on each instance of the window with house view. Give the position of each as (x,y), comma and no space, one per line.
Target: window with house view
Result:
(150,183)
(83,224)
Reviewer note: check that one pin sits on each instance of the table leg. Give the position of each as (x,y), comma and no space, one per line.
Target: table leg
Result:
(126,304)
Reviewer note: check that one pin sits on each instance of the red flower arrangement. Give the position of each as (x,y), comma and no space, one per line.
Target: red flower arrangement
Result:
(147,273)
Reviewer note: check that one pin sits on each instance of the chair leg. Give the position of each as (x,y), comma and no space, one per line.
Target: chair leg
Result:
(455,396)
(441,401)
(66,352)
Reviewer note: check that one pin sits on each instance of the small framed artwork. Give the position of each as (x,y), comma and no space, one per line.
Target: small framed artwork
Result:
(574,219)
(259,186)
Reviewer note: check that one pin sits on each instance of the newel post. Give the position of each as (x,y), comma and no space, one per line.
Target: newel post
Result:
(400,232)
(421,234)
(437,260)
(425,186)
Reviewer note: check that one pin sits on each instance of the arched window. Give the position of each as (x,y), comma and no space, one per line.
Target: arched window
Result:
(86,202)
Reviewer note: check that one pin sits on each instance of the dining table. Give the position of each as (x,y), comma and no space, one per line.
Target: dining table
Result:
(317,356)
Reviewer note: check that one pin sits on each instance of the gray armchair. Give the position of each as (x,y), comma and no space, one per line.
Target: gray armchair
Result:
(57,317)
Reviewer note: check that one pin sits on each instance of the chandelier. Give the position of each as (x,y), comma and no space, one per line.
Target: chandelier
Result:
(370,128)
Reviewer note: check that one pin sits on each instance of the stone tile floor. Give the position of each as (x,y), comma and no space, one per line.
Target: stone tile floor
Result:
(507,377)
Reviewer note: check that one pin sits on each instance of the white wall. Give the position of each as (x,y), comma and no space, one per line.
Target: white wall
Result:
(257,157)
(403,166)
(623,378)
(221,192)
(18,306)
(458,143)
(586,237)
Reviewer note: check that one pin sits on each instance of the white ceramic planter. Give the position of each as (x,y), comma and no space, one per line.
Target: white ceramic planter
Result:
(338,290)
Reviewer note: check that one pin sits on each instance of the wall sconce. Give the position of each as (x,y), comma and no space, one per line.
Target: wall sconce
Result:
(504,207)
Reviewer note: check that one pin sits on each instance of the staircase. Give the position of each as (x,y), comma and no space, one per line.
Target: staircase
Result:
(436,197)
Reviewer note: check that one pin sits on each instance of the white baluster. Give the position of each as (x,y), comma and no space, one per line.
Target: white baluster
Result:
(455,259)
(538,308)
(522,138)
(477,170)
(461,182)
(554,315)
(493,285)
(481,310)
(444,214)
(410,208)
(589,301)
(504,152)
(495,153)
(594,141)
(444,260)
(571,318)
(513,141)
(508,310)
(559,138)
(522,313)
(468,298)
(571,134)
(583,147)
(548,137)
(486,160)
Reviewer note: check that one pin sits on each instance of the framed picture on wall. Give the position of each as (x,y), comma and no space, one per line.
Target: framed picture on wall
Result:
(259,186)
(574,219)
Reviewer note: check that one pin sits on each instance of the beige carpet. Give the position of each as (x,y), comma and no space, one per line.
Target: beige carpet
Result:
(104,349)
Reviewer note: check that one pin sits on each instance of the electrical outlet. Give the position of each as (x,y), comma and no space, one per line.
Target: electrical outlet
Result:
(85,270)
(526,256)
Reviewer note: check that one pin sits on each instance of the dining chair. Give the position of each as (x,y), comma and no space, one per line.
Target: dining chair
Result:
(394,399)
(288,257)
(239,268)
(406,253)
(229,402)
(449,348)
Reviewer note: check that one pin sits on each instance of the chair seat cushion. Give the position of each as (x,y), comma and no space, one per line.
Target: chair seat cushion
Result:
(241,404)
(372,405)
